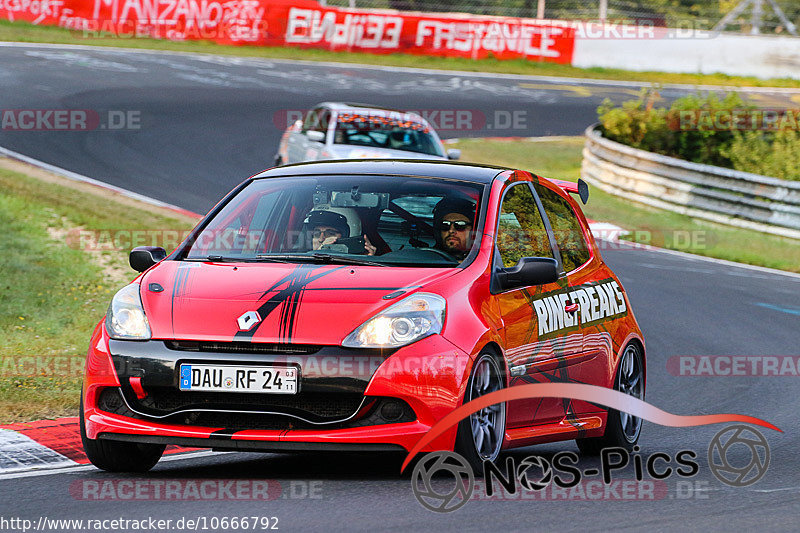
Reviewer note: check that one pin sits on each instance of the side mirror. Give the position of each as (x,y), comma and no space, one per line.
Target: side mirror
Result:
(316,136)
(143,257)
(453,153)
(528,271)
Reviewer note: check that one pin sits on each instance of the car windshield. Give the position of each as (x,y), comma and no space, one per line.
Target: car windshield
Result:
(379,131)
(371,220)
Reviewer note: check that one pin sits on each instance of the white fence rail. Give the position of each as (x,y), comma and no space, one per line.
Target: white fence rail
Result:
(712,193)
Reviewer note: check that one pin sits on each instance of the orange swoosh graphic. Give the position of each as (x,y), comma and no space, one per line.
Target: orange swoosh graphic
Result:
(577,391)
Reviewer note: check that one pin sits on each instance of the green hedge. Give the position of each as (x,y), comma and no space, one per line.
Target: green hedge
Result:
(690,129)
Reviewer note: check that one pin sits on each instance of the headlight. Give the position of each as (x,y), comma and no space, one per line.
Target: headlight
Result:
(125,319)
(407,321)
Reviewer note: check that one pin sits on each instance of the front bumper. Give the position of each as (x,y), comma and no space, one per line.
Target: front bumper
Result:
(335,407)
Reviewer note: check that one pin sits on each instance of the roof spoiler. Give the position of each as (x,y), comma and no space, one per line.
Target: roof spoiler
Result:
(581,188)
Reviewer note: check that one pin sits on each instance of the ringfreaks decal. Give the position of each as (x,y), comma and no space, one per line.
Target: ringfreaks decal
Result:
(595,302)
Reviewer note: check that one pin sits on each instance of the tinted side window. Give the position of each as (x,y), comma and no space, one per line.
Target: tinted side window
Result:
(521,231)
(566,228)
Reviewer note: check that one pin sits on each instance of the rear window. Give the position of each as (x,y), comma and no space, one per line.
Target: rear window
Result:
(379,131)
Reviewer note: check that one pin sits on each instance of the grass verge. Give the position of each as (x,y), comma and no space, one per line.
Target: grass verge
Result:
(52,290)
(562,159)
(25,32)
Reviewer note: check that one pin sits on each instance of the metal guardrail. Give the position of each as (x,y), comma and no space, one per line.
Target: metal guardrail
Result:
(723,195)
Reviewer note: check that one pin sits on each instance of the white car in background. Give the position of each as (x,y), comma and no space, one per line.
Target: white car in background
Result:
(354,131)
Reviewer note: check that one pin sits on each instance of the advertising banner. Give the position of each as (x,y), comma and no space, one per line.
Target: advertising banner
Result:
(304,23)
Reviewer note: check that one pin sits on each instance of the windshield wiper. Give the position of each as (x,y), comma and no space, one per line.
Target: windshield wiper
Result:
(317,258)
(328,258)
(223,259)
(217,259)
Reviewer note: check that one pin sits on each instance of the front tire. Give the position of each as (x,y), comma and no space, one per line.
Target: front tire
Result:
(480,436)
(622,429)
(113,456)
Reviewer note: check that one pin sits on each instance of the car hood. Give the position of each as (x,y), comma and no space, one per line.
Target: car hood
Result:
(297,303)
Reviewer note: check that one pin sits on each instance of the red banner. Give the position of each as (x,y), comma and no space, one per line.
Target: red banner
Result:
(304,23)
(468,36)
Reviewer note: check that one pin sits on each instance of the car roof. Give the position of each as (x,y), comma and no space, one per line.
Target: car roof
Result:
(366,108)
(392,167)
(347,106)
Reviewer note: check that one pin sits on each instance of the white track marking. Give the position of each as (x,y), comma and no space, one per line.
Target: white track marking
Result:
(79,177)
(20,452)
(351,66)
(723,262)
(782,489)
(83,468)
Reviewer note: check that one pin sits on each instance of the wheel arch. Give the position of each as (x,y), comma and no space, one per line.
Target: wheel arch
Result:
(632,338)
(495,349)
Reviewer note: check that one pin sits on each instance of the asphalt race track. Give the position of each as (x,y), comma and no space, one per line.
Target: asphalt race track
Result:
(206,123)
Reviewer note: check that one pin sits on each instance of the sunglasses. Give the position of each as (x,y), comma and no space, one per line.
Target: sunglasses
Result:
(327,233)
(459,225)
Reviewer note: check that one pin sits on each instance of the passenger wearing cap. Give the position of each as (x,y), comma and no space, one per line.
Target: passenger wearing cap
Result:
(453,223)
(328,227)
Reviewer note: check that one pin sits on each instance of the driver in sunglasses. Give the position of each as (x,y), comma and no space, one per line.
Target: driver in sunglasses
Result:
(453,223)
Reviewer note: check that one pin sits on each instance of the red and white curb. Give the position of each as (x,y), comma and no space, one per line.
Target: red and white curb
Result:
(45,445)
(606,231)
(19,452)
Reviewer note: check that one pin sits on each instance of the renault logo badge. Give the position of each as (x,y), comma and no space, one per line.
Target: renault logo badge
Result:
(248,320)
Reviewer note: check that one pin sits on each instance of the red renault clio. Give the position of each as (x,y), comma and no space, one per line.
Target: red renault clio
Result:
(351,305)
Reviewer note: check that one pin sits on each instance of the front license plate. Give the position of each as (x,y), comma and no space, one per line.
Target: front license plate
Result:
(228,378)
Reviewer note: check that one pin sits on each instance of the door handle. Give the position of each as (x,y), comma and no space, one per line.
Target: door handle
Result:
(571,308)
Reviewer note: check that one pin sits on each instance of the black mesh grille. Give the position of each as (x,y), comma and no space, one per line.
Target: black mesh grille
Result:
(370,415)
(111,401)
(243,347)
(239,421)
(319,405)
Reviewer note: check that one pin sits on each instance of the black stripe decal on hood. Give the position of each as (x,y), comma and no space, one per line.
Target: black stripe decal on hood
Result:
(290,298)
(181,277)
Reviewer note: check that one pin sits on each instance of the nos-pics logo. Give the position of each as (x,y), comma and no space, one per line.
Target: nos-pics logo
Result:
(444,481)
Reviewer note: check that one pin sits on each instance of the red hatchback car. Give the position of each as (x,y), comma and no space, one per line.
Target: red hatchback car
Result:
(351,305)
